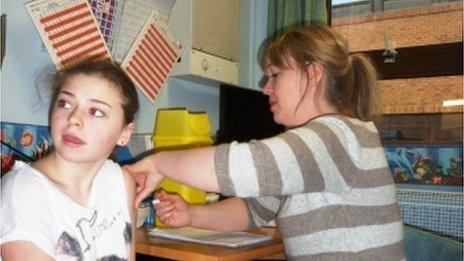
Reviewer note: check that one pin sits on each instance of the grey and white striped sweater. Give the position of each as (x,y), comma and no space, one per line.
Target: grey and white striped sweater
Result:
(327,185)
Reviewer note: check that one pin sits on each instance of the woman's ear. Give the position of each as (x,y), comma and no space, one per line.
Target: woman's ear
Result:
(314,84)
(126,134)
(315,73)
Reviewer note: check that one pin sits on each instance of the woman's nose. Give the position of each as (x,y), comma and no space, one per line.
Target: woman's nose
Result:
(267,89)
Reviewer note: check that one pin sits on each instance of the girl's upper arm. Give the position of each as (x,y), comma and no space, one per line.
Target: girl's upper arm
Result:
(130,185)
(23,250)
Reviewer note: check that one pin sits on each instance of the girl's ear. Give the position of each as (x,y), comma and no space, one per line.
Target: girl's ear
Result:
(126,134)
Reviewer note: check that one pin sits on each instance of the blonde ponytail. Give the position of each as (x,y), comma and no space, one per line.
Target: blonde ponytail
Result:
(366,95)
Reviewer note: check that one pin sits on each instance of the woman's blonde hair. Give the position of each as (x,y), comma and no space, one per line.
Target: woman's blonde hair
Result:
(351,78)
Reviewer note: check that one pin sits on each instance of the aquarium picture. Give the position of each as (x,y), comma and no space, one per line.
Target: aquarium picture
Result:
(433,165)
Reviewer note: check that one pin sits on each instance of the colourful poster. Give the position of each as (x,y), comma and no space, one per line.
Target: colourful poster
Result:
(24,142)
(434,165)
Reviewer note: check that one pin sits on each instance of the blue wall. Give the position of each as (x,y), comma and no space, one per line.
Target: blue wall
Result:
(25,56)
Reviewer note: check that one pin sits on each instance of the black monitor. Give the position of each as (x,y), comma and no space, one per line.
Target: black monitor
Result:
(244,115)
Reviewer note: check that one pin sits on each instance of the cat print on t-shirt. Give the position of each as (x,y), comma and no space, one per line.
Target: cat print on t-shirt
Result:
(69,248)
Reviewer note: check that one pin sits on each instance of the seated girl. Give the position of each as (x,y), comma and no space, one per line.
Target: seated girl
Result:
(75,204)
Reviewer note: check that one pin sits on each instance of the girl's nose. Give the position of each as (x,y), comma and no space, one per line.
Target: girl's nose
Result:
(74,118)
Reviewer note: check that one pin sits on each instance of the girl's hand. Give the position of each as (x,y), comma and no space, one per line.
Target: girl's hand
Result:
(172,210)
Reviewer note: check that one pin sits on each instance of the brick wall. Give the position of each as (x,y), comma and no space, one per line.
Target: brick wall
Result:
(435,24)
(420,95)
(431,25)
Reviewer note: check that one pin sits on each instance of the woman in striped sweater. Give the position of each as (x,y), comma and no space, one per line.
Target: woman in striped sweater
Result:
(325,180)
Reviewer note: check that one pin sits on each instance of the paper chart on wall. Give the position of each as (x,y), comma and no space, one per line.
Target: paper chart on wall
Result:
(69,31)
(152,57)
(105,14)
(134,16)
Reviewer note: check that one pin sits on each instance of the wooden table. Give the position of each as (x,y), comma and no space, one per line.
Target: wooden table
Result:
(172,249)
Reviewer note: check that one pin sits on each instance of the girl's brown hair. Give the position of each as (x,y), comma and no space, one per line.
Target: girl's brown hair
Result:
(351,78)
(105,70)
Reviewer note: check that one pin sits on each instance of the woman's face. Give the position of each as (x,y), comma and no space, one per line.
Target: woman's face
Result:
(285,87)
(87,119)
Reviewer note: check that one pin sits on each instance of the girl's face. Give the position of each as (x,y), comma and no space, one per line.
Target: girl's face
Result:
(87,119)
(285,88)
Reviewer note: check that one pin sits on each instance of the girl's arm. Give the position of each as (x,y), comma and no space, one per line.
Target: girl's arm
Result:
(23,250)
(130,190)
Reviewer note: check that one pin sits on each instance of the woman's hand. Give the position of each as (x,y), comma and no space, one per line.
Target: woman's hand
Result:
(146,176)
(172,210)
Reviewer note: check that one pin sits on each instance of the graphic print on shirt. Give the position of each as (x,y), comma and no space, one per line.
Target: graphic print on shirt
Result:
(90,229)
(68,248)
(128,233)
(111,258)
(127,238)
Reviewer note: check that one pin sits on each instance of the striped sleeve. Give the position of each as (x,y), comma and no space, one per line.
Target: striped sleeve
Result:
(262,210)
(329,154)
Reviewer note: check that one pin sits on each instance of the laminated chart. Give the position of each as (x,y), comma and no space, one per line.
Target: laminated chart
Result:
(69,31)
(105,13)
(132,16)
(152,57)
(116,26)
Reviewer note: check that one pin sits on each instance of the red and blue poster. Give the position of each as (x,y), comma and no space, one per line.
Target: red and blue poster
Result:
(24,142)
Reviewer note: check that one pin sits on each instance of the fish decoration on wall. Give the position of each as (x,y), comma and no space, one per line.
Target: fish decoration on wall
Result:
(24,142)
(432,165)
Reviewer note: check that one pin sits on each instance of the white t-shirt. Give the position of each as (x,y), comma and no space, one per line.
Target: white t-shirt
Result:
(35,210)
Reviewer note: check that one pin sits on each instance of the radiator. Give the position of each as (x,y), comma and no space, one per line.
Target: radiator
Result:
(436,211)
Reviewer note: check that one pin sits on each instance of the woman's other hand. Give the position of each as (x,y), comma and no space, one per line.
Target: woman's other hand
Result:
(172,210)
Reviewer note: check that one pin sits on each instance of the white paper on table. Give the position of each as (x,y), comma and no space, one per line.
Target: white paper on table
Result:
(229,239)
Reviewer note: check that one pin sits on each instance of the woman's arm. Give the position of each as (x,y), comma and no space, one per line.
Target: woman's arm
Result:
(194,167)
(226,215)
(130,190)
(23,250)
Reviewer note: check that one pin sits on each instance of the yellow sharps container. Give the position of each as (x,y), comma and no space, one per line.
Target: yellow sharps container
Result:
(180,129)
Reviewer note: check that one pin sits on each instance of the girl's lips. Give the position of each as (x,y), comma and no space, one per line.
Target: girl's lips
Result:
(72,141)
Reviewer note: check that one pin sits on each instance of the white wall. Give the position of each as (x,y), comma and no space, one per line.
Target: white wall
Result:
(253,32)
(196,97)
(180,93)
(26,58)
